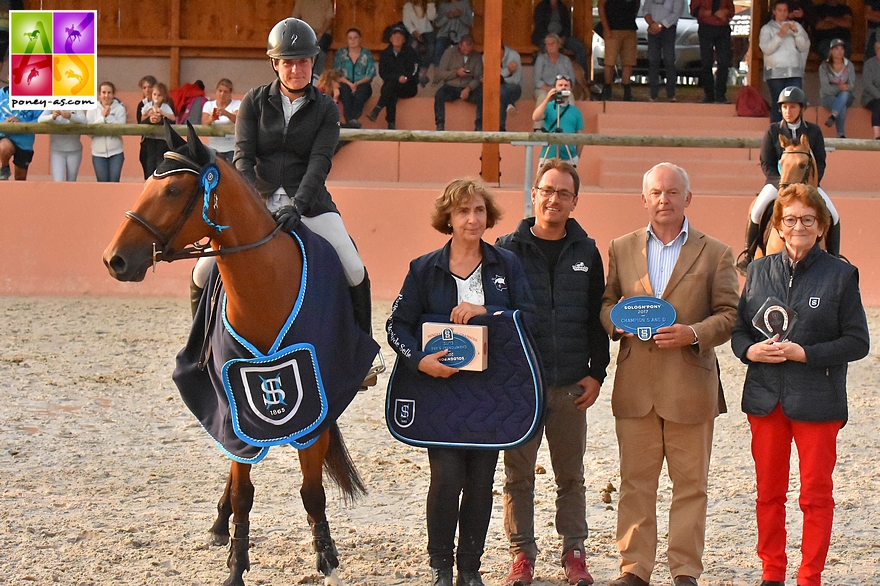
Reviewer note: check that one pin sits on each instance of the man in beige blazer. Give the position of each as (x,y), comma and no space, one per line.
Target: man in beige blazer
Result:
(667,390)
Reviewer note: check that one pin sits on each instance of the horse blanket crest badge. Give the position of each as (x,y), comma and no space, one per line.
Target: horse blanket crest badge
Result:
(249,400)
(283,390)
(497,408)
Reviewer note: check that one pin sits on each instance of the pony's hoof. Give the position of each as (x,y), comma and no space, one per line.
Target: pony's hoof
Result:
(218,539)
(234,580)
(333,579)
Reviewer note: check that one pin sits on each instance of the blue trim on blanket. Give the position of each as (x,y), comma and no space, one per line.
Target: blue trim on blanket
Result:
(290,319)
(290,438)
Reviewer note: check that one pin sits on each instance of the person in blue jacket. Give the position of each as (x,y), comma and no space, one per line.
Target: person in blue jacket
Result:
(465,278)
(795,387)
(19,148)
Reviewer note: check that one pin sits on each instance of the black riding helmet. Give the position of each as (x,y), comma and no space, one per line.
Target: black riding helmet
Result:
(292,38)
(793,94)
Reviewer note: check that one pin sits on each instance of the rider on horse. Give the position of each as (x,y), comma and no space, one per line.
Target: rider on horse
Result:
(793,102)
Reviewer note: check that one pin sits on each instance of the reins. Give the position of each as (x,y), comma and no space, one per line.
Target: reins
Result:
(207,183)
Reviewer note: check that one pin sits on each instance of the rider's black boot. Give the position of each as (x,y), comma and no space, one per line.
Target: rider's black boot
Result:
(195,295)
(748,255)
(832,240)
(360,301)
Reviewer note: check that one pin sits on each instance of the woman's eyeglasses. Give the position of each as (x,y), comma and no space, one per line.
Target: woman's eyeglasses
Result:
(806,221)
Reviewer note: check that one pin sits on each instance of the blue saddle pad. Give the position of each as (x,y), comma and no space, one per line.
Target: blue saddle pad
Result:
(498,408)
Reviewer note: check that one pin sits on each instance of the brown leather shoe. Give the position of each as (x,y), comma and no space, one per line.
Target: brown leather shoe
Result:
(628,579)
(684,581)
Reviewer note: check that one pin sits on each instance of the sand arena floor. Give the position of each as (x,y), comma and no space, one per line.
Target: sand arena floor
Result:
(108,479)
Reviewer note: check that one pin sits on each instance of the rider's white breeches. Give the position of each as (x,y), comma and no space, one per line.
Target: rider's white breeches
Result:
(768,196)
(330,227)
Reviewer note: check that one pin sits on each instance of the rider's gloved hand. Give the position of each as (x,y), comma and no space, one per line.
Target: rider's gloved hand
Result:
(287,217)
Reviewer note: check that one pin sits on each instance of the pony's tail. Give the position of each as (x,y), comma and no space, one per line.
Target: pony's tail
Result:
(340,468)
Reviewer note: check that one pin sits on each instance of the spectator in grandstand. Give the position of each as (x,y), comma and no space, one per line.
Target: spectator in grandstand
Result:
(785,45)
(65,150)
(454,20)
(871,88)
(837,86)
(222,111)
(358,69)
(107,155)
(399,69)
(418,18)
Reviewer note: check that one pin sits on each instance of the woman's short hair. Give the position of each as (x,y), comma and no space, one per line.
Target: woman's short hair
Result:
(562,167)
(807,195)
(225,82)
(456,194)
(109,84)
(354,30)
(555,38)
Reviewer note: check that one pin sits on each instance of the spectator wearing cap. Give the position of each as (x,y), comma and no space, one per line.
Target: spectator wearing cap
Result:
(834,20)
(837,86)
(399,70)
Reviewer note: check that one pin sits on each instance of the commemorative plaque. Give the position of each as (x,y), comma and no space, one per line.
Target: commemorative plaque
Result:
(642,315)
(775,318)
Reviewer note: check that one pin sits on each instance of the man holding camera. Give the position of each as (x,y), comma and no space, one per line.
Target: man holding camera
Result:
(558,113)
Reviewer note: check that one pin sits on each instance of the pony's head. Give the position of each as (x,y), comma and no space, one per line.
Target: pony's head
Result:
(174,210)
(796,164)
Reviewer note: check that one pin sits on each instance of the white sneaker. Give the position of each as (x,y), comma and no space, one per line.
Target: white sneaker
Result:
(511,109)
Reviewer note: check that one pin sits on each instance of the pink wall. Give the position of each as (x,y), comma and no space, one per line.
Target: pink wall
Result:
(53,235)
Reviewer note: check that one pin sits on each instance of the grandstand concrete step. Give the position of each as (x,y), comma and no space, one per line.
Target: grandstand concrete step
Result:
(691,125)
(729,176)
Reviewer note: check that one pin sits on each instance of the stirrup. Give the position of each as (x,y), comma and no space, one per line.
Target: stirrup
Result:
(743,261)
(378,367)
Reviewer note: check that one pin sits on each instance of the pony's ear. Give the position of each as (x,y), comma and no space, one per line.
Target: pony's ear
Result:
(197,149)
(174,140)
(805,142)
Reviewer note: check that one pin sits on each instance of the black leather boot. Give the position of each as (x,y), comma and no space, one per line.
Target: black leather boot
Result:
(441,576)
(360,301)
(832,240)
(374,113)
(746,257)
(627,93)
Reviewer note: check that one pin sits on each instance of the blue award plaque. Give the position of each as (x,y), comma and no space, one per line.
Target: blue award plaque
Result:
(642,315)
(461,350)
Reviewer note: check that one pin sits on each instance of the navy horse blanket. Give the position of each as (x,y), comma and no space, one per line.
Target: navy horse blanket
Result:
(498,408)
(248,401)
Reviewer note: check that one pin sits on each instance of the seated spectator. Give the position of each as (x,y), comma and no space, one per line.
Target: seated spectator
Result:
(557,113)
(785,45)
(146,84)
(454,20)
(871,88)
(461,70)
(511,83)
(837,86)
(399,69)
(328,84)
(155,112)
(554,17)
(107,154)
(222,111)
(357,68)
(65,150)
(418,18)
(834,20)
(319,15)
(19,148)
(548,65)
(872,18)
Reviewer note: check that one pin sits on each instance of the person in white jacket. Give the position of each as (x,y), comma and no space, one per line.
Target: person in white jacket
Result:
(785,45)
(107,155)
(65,150)
(418,18)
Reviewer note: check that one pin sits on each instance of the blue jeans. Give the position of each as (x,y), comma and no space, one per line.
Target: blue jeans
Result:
(838,107)
(108,169)
(510,93)
(661,44)
(776,86)
(449,93)
(353,101)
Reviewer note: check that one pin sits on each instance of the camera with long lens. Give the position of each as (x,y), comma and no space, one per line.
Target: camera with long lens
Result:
(561,96)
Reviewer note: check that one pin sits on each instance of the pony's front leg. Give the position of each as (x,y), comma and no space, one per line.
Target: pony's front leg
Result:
(311,462)
(241,493)
(220,528)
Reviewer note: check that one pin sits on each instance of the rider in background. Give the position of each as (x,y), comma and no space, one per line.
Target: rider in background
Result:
(792,101)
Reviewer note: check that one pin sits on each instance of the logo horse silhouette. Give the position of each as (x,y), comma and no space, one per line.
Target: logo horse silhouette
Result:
(32,35)
(72,33)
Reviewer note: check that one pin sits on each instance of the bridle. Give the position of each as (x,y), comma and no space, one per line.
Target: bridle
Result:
(209,177)
(807,172)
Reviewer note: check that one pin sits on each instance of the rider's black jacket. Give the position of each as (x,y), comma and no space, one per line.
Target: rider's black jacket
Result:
(771,150)
(296,157)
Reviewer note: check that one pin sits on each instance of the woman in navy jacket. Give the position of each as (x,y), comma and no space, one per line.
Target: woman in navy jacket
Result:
(465,278)
(796,389)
